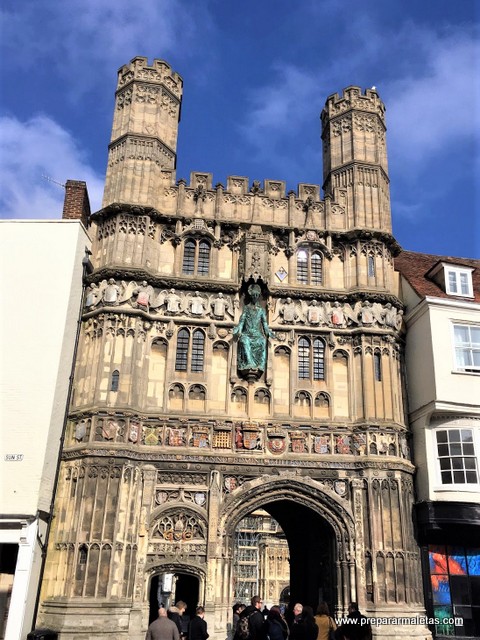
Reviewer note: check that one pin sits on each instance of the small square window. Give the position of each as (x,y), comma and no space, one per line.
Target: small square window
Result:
(458,281)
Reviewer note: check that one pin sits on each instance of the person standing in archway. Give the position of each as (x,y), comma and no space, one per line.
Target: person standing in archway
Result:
(162,628)
(175,614)
(197,628)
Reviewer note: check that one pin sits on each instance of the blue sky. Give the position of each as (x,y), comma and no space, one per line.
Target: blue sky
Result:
(256,75)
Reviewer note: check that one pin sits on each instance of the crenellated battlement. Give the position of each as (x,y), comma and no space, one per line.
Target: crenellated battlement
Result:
(160,72)
(142,161)
(241,185)
(353,98)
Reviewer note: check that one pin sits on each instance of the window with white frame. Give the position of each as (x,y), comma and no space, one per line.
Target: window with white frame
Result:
(467,347)
(456,456)
(458,281)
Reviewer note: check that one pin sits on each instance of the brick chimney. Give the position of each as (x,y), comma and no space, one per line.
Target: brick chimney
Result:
(76,205)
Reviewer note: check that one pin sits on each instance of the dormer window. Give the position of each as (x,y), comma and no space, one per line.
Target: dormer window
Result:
(458,281)
(453,279)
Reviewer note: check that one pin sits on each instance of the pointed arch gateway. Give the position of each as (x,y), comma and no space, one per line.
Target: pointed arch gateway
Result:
(319,529)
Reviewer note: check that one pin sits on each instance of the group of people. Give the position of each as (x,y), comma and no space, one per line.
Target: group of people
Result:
(254,623)
(299,623)
(168,625)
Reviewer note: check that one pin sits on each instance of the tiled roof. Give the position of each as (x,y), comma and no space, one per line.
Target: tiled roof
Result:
(415,267)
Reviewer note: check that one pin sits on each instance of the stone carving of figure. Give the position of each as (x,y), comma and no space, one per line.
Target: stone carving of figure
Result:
(172,301)
(110,293)
(366,313)
(288,311)
(252,332)
(197,304)
(399,320)
(390,315)
(314,313)
(93,296)
(142,294)
(220,306)
(337,315)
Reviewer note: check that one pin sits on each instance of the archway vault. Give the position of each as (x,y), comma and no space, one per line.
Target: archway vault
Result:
(310,493)
(318,524)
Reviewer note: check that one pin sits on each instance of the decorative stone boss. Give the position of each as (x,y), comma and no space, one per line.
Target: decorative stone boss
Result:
(252,331)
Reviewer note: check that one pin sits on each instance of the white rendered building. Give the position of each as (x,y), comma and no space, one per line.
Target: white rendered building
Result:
(42,264)
(442,297)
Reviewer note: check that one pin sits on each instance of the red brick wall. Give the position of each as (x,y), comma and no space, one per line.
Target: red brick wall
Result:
(76,205)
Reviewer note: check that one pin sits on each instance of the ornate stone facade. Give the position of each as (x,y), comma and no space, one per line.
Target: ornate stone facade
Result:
(170,444)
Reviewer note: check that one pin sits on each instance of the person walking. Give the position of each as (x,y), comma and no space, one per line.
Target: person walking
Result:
(326,625)
(197,628)
(162,628)
(175,614)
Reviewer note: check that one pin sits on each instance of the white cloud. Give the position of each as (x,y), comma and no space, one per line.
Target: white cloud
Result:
(438,104)
(83,40)
(429,83)
(284,104)
(35,148)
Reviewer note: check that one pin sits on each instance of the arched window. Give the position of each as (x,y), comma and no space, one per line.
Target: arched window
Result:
(115,381)
(188,267)
(371,266)
(303,358)
(203,258)
(302,266)
(198,349)
(82,554)
(318,359)
(181,358)
(196,257)
(311,359)
(309,266)
(316,268)
(190,353)
(377,364)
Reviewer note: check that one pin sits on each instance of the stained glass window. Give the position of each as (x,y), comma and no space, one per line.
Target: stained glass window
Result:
(455,590)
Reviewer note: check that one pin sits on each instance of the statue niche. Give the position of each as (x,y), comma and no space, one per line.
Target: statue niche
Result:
(252,332)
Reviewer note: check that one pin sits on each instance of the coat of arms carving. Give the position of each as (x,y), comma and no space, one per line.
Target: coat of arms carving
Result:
(276,442)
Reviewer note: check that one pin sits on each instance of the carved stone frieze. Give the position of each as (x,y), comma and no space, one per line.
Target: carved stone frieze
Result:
(337,314)
(166,302)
